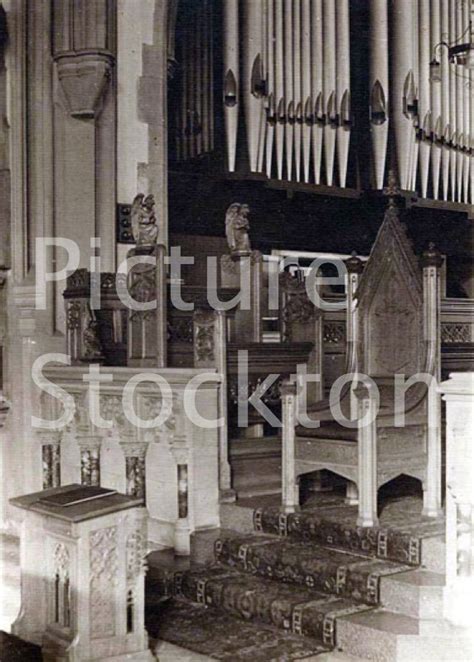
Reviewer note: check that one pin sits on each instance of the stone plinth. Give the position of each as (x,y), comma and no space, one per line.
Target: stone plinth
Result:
(82,574)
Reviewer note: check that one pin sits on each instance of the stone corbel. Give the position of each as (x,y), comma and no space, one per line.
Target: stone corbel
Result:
(84,78)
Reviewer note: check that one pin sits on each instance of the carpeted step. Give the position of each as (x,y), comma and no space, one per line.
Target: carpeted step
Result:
(306,564)
(216,634)
(294,609)
(395,543)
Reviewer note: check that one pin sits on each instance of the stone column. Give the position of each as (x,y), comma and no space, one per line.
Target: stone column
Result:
(210,351)
(182,528)
(51,457)
(89,446)
(290,486)
(458,393)
(431,262)
(84,127)
(135,463)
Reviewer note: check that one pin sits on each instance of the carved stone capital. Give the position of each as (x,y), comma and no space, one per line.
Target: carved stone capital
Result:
(91,442)
(134,448)
(84,78)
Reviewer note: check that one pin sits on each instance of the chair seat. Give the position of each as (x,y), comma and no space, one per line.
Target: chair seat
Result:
(328,430)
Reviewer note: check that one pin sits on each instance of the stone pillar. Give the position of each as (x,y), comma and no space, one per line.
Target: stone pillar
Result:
(182,527)
(84,127)
(51,457)
(290,486)
(210,351)
(458,393)
(89,447)
(431,261)
(135,463)
(367,457)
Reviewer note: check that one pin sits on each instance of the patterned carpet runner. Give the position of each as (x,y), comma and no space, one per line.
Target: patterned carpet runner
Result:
(289,582)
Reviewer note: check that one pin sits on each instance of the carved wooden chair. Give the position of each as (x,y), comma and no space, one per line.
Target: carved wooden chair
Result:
(392,328)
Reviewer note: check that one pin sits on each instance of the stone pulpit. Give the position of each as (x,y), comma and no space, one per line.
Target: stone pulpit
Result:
(82,574)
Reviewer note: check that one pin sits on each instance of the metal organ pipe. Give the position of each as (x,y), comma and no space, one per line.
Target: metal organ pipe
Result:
(329,86)
(459,108)
(261,144)
(297,82)
(271,110)
(379,87)
(289,89)
(231,78)
(307,105)
(467,93)
(453,103)
(317,85)
(343,88)
(445,101)
(436,121)
(280,107)
(253,77)
(206,61)
(401,89)
(424,101)
(415,136)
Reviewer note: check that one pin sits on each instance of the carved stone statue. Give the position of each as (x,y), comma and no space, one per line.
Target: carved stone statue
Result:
(236,229)
(144,226)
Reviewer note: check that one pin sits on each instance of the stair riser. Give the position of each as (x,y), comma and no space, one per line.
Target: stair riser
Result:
(366,643)
(435,649)
(421,602)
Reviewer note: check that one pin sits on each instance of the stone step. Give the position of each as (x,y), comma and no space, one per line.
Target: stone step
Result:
(294,609)
(416,593)
(342,573)
(387,636)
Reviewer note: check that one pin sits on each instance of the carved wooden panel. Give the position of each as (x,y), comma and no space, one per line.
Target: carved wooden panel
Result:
(393,327)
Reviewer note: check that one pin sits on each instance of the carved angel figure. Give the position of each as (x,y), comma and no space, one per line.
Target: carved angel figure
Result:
(236,229)
(144,226)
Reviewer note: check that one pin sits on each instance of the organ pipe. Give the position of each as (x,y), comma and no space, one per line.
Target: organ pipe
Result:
(343,88)
(279,87)
(436,121)
(289,88)
(424,99)
(467,94)
(415,134)
(459,109)
(231,78)
(317,86)
(379,86)
(329,86)
(401,91)
(271,110)
(253,77)
(306,86)
(297,82)
(453,104)
(445,102)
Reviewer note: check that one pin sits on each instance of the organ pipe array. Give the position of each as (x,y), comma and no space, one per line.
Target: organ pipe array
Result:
(294,85)
(431,120)
(195,114)
(286,68)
